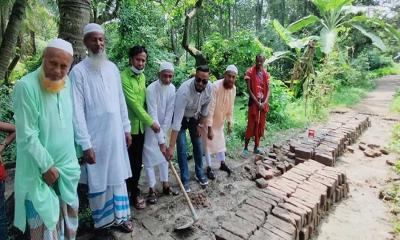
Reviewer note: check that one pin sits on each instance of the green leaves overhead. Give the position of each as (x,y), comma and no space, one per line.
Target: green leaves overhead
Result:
(376,40)
(278,55)
(325,6)
(333,19)
(289,39)
(302,23)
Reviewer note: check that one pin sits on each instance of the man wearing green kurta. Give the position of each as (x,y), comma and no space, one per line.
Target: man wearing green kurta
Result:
(47,171)
(134,87)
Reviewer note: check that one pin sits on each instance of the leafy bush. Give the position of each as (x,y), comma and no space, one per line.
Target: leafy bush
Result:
(139,24)
(240,50)
(377,59)
(278,102)
(6,115)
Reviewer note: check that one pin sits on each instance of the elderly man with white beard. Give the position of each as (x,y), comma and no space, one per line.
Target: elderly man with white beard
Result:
(102,130)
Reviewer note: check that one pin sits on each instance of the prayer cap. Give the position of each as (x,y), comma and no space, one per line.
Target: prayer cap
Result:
(166,66)
(61,44)
(232,68)
(92,27)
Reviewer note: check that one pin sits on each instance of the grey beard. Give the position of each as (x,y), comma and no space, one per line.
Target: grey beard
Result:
(97,60)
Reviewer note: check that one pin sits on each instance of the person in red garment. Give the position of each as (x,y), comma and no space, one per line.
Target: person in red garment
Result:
(10,130)
(257,79)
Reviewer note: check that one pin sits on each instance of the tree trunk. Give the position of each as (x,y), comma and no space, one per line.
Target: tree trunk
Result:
(74,15)
(11,35)
(229,21)
(198,44)
(259,11)
(107,14)
(33,42)
(221,20)
(173,45)
(283,12)
(194,52)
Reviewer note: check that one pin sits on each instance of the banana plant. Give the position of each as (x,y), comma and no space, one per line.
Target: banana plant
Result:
(333,16)
(302,55)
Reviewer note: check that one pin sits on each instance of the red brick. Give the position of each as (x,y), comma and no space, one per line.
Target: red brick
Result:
(279,232)
(257,203)
(261,183)
(263,234)
(303,152)
(245,230)
(291,208)
(304,234)
(289,191)
(222,234)
(287,216)
(275,192)
(288,177)
(307,210)
(263,198)
(251,214)
(324,159)
(281,224)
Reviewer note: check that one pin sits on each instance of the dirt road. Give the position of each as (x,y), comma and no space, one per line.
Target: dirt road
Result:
(363,215)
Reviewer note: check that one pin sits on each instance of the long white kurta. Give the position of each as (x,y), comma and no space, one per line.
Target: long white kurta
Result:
(160,101)
(221,108)
(100,121)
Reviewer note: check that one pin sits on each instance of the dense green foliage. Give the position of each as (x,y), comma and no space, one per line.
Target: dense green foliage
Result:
(312,68)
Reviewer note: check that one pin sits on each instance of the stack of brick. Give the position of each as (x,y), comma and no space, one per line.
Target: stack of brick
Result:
(290,207)
(330,142)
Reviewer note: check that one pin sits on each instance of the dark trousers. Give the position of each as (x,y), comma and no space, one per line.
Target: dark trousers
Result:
(3,218)
(135,157)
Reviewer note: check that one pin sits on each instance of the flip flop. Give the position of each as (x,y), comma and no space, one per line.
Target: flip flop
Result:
(152,198)
(125,226)
(139,203)
(170,191)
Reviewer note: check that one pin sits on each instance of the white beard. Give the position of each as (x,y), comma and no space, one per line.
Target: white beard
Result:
(97,60)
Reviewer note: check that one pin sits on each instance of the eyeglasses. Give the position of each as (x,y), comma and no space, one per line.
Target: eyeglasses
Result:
(204,81)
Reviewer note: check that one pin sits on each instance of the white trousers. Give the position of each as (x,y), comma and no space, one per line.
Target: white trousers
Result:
(220,156)
(151,176)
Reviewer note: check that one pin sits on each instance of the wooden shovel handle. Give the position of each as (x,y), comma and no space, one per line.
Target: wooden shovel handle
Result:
(178,179)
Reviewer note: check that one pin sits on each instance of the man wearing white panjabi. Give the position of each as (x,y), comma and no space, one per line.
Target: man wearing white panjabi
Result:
(220,109)
(102,130)
(160,100)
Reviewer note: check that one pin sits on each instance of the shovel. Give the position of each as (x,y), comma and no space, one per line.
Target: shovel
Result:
(184,222)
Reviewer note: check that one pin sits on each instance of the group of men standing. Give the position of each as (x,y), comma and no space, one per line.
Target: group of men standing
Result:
(118,125)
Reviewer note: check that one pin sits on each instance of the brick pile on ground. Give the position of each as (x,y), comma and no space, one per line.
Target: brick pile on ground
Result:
(289,208)
(372,150)
(330,142)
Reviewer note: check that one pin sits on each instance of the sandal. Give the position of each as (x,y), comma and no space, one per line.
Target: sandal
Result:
(168,191)
(138,202)
(125,226)
(152,198)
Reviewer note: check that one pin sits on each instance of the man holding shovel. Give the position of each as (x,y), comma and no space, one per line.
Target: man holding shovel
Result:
(257,79)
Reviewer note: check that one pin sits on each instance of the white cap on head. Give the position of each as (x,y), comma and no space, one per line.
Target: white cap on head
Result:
(61,44)
(232,68)
(166,66)
(92,27)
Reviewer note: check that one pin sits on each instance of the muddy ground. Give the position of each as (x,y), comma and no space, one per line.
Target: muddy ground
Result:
(362,216)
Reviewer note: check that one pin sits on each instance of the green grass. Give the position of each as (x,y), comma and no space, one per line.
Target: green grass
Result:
(395,105)
(394,146)
(347,96)
(380,72)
